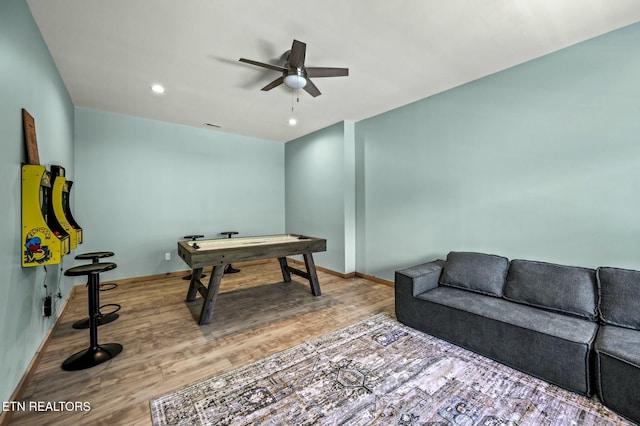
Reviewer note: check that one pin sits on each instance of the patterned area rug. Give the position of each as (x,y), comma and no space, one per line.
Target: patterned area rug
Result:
(377,372)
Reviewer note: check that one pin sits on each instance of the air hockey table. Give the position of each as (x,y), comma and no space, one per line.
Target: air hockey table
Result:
(218,253)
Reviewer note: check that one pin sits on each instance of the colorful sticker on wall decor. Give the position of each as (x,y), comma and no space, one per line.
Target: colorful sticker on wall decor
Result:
(35,250)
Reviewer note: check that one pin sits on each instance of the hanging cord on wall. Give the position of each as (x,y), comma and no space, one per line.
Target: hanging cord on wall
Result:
(46,304)
(44,282)
(59,294)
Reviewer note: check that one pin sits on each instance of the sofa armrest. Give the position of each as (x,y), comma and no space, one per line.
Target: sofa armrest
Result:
(422,277)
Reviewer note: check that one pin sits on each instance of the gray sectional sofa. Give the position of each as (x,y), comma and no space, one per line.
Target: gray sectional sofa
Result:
(617,347)
(578,328)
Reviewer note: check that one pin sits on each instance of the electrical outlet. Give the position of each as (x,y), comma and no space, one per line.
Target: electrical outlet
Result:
(167,256)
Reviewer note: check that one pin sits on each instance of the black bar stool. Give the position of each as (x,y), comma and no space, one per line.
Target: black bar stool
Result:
(95,354)
(230,269)
(103,318)
(194,238)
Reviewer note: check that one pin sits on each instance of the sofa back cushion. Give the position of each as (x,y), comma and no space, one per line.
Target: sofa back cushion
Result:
(619,297)
(566,289)
(482,273)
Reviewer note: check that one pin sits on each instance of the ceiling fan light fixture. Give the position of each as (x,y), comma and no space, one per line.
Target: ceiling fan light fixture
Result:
(295,81)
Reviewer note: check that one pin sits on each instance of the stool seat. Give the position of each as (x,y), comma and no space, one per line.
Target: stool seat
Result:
(95,255)
(90,269)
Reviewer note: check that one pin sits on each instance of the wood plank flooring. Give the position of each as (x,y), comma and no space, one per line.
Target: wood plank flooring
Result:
(256,315)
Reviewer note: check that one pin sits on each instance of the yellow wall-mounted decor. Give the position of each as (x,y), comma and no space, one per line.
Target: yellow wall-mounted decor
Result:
(44,241)
(56,201)
(66,195)
(60,202)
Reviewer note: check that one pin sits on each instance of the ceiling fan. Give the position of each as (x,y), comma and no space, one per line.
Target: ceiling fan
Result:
(294,74)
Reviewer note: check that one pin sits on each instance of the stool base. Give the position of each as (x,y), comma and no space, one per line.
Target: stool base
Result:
(231,270)
(91,357)
(102,319)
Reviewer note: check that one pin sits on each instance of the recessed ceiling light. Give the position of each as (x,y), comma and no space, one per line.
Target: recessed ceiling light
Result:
(157,88)
(293,121)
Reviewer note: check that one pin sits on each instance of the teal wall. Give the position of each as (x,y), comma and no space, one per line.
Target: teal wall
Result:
(142,185)
(30,80)
(320,192)
(541,161)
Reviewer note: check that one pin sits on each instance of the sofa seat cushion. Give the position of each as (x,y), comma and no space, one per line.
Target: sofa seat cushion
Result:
(619,297)
(550,323)
(619,342)
(618,370)
(552,346)
(478,272)
(566,289)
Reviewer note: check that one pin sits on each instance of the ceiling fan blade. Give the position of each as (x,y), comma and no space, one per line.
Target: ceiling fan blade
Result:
(274,83)
(297,54)
(263,65)
(312,89)
(327,72)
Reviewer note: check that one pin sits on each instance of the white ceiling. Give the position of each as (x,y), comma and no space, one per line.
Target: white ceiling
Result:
(110,51)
